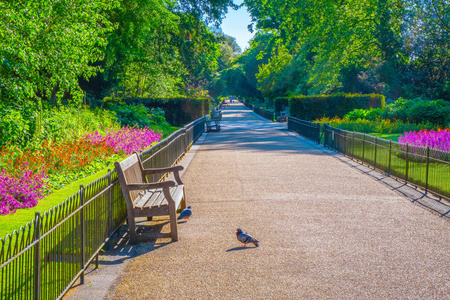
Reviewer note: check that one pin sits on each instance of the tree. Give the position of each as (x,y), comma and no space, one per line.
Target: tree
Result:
(45,46)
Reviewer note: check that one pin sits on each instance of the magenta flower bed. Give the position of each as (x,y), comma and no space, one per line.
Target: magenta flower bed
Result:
(127,139)
(428,138)
(24,192)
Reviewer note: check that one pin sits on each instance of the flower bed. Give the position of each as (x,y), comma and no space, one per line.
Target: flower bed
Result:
(28,175)
(439,139)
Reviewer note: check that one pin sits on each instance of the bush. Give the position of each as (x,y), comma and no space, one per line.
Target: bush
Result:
(368,114)
(14,128)
(419,111)
(436,112)
(131,115)
(30,123)
(280,103)
(374,126)
(313,107)
(178,111)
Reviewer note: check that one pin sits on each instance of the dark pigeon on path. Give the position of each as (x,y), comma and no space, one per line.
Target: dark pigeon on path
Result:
(246,238)
(185,213)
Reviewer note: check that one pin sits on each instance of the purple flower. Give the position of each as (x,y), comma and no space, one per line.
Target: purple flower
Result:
(23,192)
(127,139)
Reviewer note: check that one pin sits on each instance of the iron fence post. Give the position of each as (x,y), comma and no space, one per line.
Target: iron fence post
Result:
(82,240)
(37,258)
(110,212)
(353,145)
(427,168)
(390,151)
(364,145)
(375,158)
(407,163)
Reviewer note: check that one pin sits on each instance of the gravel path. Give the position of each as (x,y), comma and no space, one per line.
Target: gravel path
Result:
(327,230)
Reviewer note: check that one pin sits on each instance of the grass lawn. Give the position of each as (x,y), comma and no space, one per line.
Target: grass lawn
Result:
(388,136)
(438,171)
(12,222)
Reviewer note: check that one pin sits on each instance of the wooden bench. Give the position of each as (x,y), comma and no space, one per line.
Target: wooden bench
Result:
(149,200)
(216,114)
(210,124)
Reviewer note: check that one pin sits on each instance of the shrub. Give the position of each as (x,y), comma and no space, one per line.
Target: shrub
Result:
(373,126)
(28,124)
(419,111)
(178,111)
(313,107)
(131,115)
(368,114)
(14,128)
(436,112)
(280,103)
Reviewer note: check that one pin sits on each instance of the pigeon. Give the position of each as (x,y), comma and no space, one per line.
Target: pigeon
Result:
(185,213)
(246,238)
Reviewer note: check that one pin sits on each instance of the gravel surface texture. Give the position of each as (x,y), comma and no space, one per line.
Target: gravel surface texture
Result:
(326,229)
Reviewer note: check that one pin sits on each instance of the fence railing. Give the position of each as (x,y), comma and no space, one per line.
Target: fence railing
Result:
(46,256)
(308,129)
(267,114)
(420,166)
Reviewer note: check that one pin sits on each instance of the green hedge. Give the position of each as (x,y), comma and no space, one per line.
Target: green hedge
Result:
(315,107)
(281,102)
(178,111)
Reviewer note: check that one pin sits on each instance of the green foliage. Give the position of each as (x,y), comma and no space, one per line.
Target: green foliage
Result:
(178,111)
(14,128)
(419,111)
(390,47)
(313,107)
(45,46)
(29,124)
(436,112)
(368,114)
(142,116)
(131,114)
(280,103)
(378,125)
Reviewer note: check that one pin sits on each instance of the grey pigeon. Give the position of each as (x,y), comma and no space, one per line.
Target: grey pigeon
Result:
(185,213)
(246,238)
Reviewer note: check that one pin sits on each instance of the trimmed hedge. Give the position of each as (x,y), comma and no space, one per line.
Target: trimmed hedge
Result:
(178,111)
(281,102)
(315,107)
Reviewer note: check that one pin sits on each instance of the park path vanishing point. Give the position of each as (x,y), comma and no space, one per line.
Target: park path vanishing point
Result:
(326,230)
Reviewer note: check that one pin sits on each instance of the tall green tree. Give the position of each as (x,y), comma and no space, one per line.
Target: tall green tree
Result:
(45,46)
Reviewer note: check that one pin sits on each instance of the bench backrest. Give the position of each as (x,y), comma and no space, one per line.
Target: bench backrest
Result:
(130,171)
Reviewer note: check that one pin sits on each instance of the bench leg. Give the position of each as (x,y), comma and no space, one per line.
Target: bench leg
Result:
(173,221)
(132,229)
(183,200)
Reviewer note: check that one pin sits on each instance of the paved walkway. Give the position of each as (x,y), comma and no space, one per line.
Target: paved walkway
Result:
(327,231)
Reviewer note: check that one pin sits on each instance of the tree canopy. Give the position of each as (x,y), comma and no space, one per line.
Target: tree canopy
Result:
(395,47)
(58,50)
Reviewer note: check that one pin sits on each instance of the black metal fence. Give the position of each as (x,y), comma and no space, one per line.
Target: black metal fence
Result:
(420,166)
(46,256)
(308,129)
(267,114)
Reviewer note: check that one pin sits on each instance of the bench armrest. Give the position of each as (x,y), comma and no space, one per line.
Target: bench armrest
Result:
(148,186)
(175,170)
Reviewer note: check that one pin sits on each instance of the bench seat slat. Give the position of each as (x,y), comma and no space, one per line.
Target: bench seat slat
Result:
(155,198)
